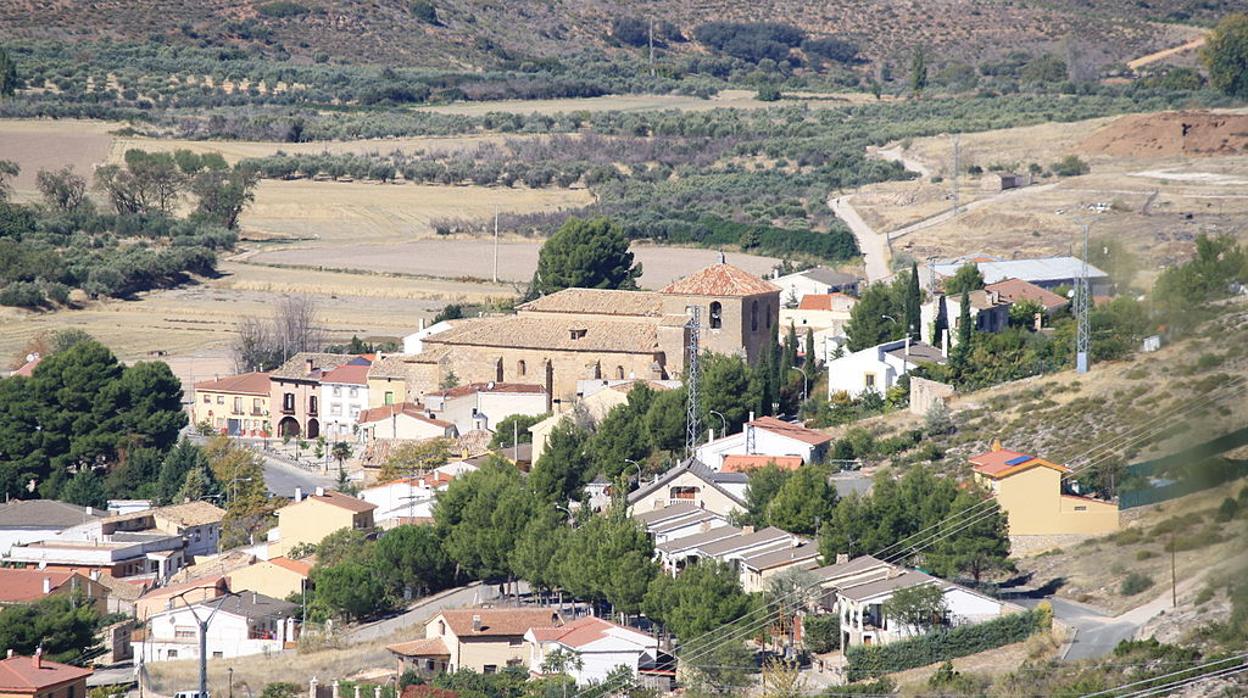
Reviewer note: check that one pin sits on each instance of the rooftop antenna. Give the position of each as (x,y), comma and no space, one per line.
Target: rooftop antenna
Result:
(692,428)
(1082,308)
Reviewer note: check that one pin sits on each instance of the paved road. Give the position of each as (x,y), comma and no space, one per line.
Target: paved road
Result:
(118,675)
(470,595)
(874,246)
(282,478)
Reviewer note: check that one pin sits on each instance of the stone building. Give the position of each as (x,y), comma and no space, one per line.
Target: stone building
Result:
(579,334)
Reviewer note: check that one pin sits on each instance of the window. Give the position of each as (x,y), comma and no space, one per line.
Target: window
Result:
(184,633)
(207,399)
(1081,508)
(218,655)
(355,412)
(441,627)
(515,641)
(171,654)
(288,402)
(717,315)
(335,409)
(683,493)
(389,398)
(311,404)
(220,399)
(521,368)
(769,316)
(337,391)
(619,373)
(754,316)
(355,392)
(489,669)
(255,406)
(238,405)
(870,380)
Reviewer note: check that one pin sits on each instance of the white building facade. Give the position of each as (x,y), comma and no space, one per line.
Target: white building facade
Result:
(877,369)
(344,395)
(247,624)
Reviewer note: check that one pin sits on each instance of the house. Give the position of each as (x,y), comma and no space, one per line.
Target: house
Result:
(1001,181)
(813,282)
(878,368)
(407,500)
(745,463)
(27,369)
(150,556)
(596,399)
(36,677)
(414,342)
(485,640)
(278,577)
(988,312)
(1045,272)
(766,436)
(483,405)
(234,405)
(599,646)
(191,591)
(1032,493)
(588,334)
(827,311)
(34,520)
(198,523)
(295,392)
(319,514)
(858,591)
(757,570)
(344,395)
(25,586)
(726,544)
(396,378)
(678,521)
(692,482)
(1017,291)
(241,625)
(404,421)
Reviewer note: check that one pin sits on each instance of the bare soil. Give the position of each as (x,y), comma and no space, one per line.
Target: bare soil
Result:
(1171,134)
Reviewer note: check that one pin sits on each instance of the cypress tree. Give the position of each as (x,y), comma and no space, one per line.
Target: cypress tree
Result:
(912,305)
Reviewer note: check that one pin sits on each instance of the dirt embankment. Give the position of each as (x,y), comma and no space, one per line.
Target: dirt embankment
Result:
(1171,134)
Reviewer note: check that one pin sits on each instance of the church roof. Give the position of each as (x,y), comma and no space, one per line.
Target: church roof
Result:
(596,301)
(720,280)
(568,334)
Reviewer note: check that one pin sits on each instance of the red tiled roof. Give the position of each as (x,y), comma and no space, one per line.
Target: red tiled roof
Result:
(793,431)
(1015,290)
(578,633)
(299,567)
(461,390)
(350,374)
(28,368)
(1002,461)
(20,675)
(500,621)
(740,463)
(410,409)
(342,501)
(720,280)
(424,647)
(216,581)
(254,383)
(827,301)
(24,586)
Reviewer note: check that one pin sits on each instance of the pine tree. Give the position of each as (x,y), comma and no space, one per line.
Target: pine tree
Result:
(912,309)
(918,71)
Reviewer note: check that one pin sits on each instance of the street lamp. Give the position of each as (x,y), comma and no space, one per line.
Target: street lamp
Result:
(203,634)
(805,381)
(722,420)
(888,317)
(567,511)
(636,465)
(234,487)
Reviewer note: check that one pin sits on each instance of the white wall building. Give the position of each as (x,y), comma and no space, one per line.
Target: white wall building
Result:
(814,281)
(405,421)
(407,500)
(483,405)
(344,395)
(877,368)
(988,314)
(414,342)
(766,436)
(246,624)
(34,520)
(818,312)
(600,645)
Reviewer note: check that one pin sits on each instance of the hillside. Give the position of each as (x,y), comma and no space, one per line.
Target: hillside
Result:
(460,34)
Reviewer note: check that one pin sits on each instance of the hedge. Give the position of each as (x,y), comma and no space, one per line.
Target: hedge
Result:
(867,662)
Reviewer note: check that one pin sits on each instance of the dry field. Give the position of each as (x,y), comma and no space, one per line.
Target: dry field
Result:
(473,259)
(725,99)
(233,151)
(41,144)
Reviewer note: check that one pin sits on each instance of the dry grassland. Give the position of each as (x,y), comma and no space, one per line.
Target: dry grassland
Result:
(43,144)
(233,151)
(725,99)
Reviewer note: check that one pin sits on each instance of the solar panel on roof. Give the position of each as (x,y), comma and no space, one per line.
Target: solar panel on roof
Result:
(1018,460)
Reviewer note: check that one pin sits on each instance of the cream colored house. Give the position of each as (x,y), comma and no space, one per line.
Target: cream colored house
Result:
(278,577)
(485,640)
(317,516)
(757,570)
(692,482)
(234,405)
(1030,492)
(404,422)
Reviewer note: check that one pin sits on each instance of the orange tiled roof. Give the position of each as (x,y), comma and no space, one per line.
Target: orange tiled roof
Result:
(349,374)
(500,621)
(578,633)
(1001,462)
(720,280)
(21,674)
(793,431)
(424,647)
(410,409)
(28,369)
(827,301)
(254,383)
(299,567)
(1015,290)
(342,501)
(741,463)
(24,586)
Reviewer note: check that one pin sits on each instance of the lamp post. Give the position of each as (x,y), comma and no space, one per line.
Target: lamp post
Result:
(203,635)
(805,381)
(234,487)
(722,420)
(635,464)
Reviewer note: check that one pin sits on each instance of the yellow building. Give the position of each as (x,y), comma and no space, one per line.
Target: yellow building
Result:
(35,677)
(234,405)
(277,577)
(485,640)
(317,516)
(1029,490)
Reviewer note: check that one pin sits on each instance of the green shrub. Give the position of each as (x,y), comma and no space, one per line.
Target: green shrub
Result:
(1135,583)
(1205,596)
(768,93)
(871,661)
(1227,510)
(282,8)
(822,633)
(1145,555)
(1071,166)
(1128,536)
(425,11)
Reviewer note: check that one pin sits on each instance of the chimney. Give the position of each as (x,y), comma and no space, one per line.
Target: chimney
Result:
(476,623)
(710,435)
(38,658)
(422,323)
(47,585)
(90,511)
(95,575)
(320,491)
(10,653)
(298,495)
(907,354)
(751,415)
(308,365)
(746,530)
(944,342)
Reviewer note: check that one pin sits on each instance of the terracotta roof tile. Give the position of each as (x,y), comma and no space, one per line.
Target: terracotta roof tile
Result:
(741,463)
(538,332)
(25,586)
(1002,461)
(720,280)
(424,647)
(185,514)
(19,674)
(340,500)
(28,369)
(348,374)
(299,567)
(580,632)
(827,301)
(593,301)
(1015,290)
(793,431)
(254,383)
(500,621)
(408,409)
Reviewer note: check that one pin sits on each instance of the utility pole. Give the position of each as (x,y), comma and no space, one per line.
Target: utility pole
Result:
(1083,309)
(650,40)
(692,428)
(203,636)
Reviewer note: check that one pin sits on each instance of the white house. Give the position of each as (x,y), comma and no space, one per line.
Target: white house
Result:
(414,342)
(198,523)
(814,281)
(678,521)
(766,436)
(877,368)
(34,520)
(601,646)
(407,500)
(988,311)
(245,624)
(403,421)
(483,405)
(344,395)
(693,483)
(1045,272)
(826,311)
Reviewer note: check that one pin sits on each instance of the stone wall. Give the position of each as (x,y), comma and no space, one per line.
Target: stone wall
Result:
(924,393)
